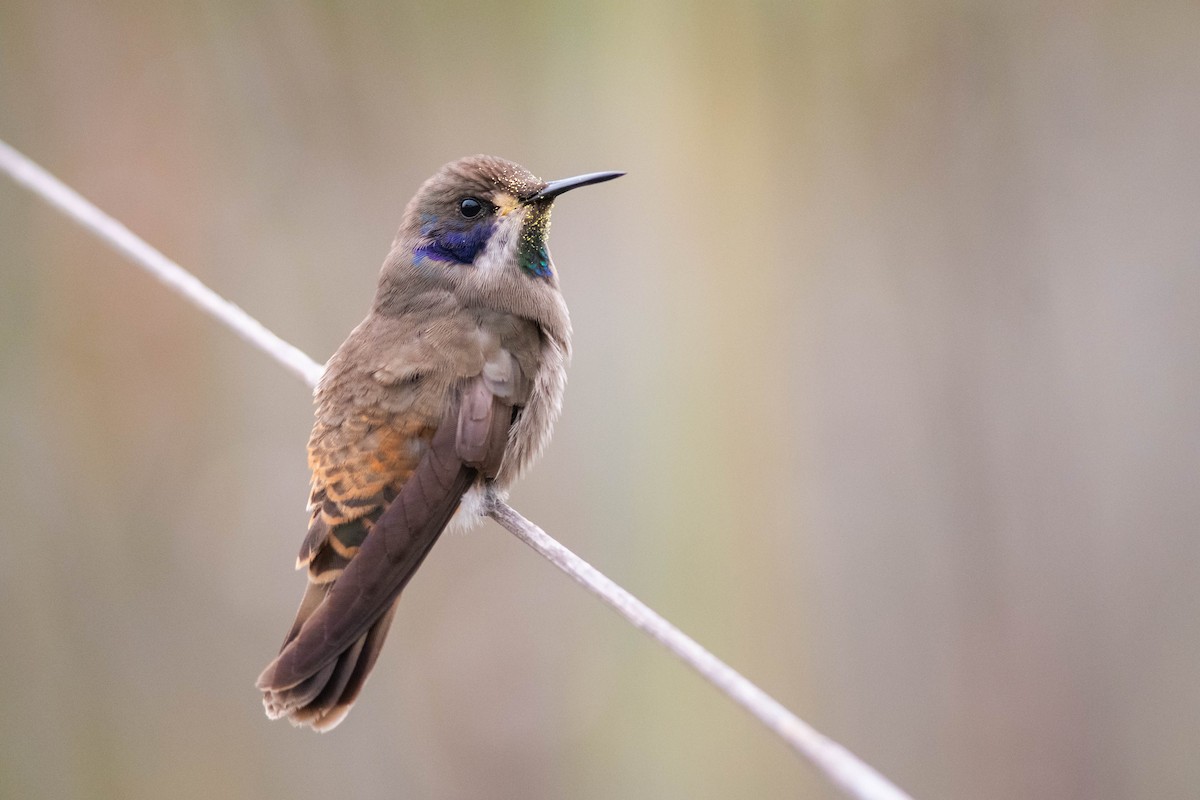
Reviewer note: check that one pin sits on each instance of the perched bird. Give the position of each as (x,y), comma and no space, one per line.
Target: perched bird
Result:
(447,389)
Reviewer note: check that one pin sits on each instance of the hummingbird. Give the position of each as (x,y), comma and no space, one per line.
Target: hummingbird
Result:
(447,390)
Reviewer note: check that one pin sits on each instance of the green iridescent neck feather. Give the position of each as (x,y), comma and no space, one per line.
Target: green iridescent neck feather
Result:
(533,256)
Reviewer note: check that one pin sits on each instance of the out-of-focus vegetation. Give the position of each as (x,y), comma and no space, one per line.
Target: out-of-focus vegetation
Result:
(885,388)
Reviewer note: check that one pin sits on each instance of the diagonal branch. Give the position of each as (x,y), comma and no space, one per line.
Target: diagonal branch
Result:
(850,774)
(841,767)
(133,247)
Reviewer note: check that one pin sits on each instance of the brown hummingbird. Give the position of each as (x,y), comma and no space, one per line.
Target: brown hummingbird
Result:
(448,389)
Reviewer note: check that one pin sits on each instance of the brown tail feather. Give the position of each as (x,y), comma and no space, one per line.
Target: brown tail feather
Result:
(342,624)
(345,614)
(327,697)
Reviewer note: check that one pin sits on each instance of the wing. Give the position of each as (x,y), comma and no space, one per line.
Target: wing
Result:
(327,647)
(384,396)
(394,449)
(358,466)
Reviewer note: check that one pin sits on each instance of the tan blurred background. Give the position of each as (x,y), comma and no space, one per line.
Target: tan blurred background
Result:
(885,388)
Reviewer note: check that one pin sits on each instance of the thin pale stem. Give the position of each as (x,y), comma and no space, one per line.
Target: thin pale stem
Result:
(845,770)
(133,247)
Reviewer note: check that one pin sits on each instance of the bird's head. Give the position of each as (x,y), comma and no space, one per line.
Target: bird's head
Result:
(483,214)
(478,228)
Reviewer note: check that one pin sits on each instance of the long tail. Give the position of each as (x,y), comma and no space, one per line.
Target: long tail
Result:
(323,700)
(341,625)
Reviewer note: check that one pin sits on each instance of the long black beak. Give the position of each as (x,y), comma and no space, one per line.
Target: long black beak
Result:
(555,188)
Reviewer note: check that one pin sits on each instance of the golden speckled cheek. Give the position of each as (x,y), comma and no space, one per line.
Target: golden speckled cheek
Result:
(536,229)
(532,255)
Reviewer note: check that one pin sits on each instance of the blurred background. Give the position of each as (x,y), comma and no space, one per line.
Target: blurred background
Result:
(885,387)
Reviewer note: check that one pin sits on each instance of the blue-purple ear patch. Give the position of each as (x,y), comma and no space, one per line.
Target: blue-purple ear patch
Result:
(457,246)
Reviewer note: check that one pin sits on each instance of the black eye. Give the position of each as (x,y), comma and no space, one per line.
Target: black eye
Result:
(470,207)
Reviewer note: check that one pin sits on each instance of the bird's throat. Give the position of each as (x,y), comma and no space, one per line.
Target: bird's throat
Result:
(532,254)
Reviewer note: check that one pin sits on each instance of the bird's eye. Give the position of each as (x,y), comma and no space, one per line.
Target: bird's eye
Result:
(470,207)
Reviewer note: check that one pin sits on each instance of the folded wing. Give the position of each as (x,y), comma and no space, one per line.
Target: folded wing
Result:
(343,621)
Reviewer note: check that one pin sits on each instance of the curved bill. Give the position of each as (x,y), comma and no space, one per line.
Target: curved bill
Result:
(555,188)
